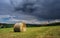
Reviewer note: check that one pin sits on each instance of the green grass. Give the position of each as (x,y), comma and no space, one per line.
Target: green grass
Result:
(32,32)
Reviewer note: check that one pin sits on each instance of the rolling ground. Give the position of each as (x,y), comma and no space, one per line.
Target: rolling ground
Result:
(32,32)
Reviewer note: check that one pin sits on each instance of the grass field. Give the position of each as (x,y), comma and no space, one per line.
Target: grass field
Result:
(32,32)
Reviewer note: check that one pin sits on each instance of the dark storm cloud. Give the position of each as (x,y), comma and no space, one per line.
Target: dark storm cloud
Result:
(29,9)
(48,9)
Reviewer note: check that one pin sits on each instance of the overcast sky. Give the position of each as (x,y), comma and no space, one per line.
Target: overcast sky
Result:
(35,10)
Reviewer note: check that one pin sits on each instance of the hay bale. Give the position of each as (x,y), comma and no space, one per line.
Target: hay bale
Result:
(20,27)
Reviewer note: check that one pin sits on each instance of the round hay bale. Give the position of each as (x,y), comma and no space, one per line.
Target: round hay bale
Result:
(20,27)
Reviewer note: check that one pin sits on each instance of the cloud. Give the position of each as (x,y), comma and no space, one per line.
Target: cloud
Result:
(14,19)
(48,9)
(30,10)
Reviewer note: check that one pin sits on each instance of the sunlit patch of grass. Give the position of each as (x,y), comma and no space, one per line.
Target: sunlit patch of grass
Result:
(53,33)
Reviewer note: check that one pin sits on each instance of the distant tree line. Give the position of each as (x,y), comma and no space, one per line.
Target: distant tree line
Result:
(4,25)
